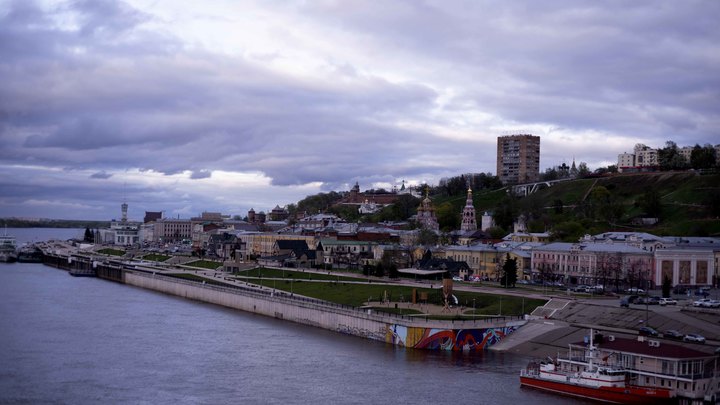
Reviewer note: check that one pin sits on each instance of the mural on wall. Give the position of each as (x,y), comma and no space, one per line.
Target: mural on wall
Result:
(446,339)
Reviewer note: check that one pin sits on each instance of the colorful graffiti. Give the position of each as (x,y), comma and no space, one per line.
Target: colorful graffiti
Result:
(446,339)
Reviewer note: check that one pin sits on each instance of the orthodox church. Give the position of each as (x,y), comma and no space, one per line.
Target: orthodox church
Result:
(426,214)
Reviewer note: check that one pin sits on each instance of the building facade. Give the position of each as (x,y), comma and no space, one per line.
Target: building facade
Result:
(518,159)
(594,264)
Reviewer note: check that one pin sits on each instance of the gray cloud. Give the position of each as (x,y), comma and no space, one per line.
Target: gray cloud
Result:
(100,175)
(101,90)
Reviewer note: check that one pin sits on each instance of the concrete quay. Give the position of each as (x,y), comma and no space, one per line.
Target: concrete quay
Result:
(562,321)
(407,331)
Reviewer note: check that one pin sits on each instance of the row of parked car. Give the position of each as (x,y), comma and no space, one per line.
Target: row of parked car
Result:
(706,303)
(649,300)
(673,334)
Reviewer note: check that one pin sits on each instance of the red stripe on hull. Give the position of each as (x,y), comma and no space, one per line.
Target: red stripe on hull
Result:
(626,395)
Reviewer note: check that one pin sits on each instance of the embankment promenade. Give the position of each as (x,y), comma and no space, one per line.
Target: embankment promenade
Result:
(407,331)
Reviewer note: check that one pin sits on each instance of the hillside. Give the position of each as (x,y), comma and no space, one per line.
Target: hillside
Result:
(688,204)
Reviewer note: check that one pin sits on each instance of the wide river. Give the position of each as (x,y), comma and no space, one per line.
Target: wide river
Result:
(84,340)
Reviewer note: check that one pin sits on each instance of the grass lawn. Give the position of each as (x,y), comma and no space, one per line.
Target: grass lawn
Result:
(195,277)
(298,275)
(156,257)
(357,294)
(111,252)
(205,264)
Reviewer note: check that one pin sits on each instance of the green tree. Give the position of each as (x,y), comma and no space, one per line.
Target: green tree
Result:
(448,216)
(669,157)
(583,169)
(509,272)
(703,157)
(666,285)
(393,271)
(569,231)
(650,203)
(379,270)
(89,236)
(550,174)
(496,232)
(505,213)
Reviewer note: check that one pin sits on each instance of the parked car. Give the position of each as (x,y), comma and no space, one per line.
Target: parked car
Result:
(635,290)
(667,301)
(694,337)
(700,302)
(625,302)
(457,278)
(648,300)
(648,331)
(673,334)
(706,303)
(714,304)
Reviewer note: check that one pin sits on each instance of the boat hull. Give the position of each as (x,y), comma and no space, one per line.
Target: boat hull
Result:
(615,395)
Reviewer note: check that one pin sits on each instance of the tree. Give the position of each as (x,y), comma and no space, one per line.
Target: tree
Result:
(669,157)
(393,271)
(703,157)
(89,236)
(448,217)
(569,231)
(505,213)
(427,237)
(550,174)
(666,285)
(379,270)
(509,272)
(650,203)
(583,169)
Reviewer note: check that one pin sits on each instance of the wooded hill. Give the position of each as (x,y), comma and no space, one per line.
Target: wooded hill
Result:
(685,203)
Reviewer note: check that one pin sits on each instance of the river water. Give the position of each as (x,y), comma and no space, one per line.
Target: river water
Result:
(85,340)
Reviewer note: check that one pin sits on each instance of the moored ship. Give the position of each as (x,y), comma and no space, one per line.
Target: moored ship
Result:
(599,383)
(7,248)
(628,371)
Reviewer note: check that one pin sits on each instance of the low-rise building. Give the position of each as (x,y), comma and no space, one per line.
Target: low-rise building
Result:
(593,264)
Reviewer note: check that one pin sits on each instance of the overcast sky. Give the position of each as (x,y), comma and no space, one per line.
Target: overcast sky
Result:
(191,106)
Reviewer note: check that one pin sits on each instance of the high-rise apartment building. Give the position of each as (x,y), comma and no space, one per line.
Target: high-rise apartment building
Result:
(518,159)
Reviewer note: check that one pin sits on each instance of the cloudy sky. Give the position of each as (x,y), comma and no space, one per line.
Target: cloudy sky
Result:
(227,105)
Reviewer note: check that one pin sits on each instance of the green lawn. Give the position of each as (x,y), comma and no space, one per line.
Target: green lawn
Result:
(298,275)
(358,294)
(111,252)
(156,257)
(205,264)
(194,277)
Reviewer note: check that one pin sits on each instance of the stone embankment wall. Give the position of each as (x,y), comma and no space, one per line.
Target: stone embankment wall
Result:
(408,331)
(276,305)
(398,330)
